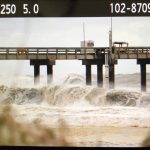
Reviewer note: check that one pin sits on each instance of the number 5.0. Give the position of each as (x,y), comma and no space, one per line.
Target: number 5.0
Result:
(26,10)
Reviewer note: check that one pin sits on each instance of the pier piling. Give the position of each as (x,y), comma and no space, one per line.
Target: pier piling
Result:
(143,63)
(37,63)
(36,74)
(88,75)
(111,76)
(143,77)
(100,75)
(88,64)
(49,74)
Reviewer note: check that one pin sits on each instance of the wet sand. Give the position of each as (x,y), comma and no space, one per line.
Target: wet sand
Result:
(105,126)
(105,136)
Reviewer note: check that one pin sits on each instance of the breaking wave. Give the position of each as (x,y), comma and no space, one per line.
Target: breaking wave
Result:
(86,108)
(71,91)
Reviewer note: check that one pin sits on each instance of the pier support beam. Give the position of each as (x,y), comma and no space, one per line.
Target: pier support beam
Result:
(36,74)
(37,63)
(88,75)
(143,77)
(100,75)
(111,76)
(143,63)
(49,74)
(88,64)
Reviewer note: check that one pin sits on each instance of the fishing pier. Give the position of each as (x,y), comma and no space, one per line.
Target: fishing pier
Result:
(89,56)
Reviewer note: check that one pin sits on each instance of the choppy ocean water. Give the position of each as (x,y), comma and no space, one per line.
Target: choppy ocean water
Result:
(94,116)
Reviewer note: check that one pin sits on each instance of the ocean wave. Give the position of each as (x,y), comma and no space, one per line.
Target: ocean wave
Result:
(122,98)
(62,95)
(14,95)
(81,106)
(73,90)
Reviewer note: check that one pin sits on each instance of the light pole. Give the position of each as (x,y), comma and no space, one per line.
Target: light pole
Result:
(108,52)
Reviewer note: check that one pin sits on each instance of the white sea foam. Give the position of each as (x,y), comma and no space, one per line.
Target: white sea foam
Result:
(79,105)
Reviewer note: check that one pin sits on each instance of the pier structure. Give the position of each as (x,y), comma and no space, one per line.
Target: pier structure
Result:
(37,63)
(143,63)
(88,64)
(111,74)
(94,56)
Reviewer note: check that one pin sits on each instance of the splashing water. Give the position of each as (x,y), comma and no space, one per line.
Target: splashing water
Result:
(96,116)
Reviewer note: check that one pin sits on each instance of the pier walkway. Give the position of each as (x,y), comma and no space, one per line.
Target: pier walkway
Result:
(89,56)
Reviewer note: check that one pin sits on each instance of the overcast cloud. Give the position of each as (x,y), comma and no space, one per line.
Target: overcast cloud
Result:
(68,32)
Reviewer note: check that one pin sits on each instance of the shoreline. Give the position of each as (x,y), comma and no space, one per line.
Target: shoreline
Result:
(104,136)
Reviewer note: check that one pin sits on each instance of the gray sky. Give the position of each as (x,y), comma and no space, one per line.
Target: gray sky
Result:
(68,32)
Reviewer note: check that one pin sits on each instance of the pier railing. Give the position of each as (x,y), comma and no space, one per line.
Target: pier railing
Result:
(64,53)
(132,53)
(50,53)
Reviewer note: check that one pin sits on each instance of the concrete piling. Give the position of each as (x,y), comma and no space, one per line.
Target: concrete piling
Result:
(37,63)
(88,75)
(100,75)
(49,74)
(36,74)
(143,77)
(111,76)
(143,63)
(88,64)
